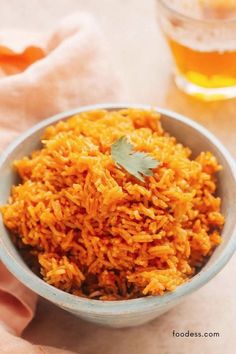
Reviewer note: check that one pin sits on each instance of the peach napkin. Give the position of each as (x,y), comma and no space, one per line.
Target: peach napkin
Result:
(42,74)
(65,68)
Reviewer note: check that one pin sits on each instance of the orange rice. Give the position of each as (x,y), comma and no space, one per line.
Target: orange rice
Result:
(96,230)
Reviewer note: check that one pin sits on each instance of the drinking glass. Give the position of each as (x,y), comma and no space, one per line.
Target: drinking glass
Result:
(202,37)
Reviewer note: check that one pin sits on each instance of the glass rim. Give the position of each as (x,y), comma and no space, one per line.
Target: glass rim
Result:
(168,7)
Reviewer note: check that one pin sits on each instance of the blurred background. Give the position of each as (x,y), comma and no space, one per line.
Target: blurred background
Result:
(138,50)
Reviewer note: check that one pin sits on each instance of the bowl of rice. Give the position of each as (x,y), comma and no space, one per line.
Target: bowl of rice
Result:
(116,212)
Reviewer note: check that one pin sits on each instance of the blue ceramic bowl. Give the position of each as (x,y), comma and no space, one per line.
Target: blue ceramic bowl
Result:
(126,312)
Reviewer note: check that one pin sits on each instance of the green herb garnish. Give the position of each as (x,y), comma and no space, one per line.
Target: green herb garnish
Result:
(137,163)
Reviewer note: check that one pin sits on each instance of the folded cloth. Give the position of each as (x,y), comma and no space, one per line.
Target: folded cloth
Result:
(42,74)
(10,344)
(63,69)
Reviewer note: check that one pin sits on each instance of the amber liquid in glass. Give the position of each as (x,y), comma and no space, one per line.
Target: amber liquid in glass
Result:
(210,69)
(203,46)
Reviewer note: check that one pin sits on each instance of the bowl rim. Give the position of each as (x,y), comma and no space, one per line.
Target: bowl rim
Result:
(84,305)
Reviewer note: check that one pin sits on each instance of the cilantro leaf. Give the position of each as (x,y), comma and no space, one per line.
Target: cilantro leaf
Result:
(137,163)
